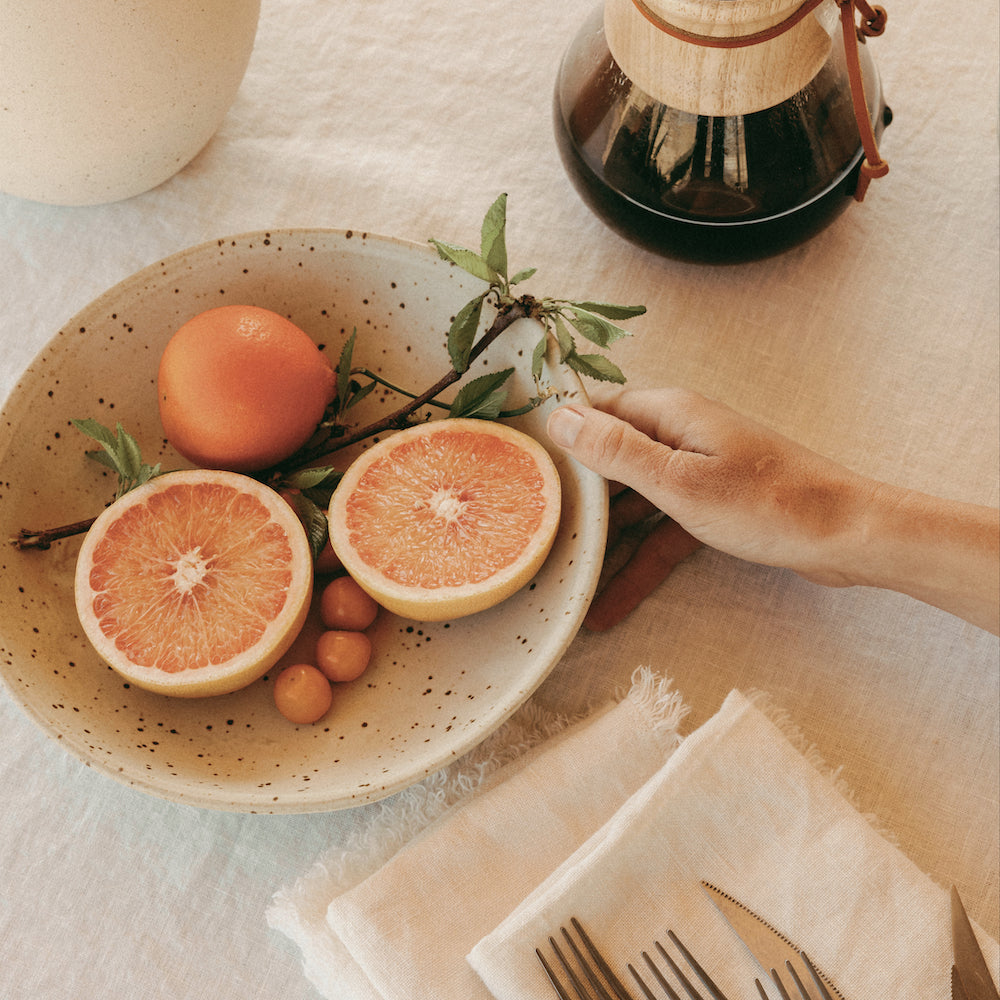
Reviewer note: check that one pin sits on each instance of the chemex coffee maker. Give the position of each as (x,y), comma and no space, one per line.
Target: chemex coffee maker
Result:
(722,130)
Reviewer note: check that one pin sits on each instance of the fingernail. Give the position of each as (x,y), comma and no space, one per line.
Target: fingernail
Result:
(564,425)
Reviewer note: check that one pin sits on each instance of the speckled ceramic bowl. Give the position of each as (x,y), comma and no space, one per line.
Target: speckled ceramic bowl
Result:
(432,691)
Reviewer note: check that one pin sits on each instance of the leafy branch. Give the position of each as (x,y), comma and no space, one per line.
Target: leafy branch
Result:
(120,453)
(309,484)
(592,320)
(485,396)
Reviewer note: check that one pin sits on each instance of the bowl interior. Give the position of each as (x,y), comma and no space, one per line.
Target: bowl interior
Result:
(433,691)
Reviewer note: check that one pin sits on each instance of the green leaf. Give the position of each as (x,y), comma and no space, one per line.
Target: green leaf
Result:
(357,393)
(596,366)
(99,433)
(131,456)
(611,311)
(482,397)
(103,458)
(467,260)
(462,333)
(494,237)
(567,345)
(538,357)
(120,453)
(344,372)
(523,275)
(306,479)
(487,407)
(313,519)
(595,328)
(146,473)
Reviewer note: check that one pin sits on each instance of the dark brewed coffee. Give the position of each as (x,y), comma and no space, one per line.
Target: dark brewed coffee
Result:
(707,188)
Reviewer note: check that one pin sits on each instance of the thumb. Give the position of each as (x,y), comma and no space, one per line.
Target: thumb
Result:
(613,448)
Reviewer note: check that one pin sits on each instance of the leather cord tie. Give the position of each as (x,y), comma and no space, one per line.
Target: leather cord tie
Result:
(872,24)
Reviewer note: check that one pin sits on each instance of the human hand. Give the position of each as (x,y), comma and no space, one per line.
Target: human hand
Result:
(731,483)
(722,479)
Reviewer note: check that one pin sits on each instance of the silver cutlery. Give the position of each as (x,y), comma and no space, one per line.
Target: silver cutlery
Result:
(970,977)
(590,977)
(774,952)
(586,975)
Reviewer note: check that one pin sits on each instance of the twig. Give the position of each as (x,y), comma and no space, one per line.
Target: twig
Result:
(519,309)
(43,539)
(399,418)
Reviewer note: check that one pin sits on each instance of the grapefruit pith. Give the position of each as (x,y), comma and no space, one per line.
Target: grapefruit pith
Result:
(194,583)
(447,518)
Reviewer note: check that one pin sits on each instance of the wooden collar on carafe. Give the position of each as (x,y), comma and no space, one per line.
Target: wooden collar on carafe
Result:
(872,24)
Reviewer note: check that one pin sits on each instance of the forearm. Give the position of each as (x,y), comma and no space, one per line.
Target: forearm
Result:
(942,552)
(737,486)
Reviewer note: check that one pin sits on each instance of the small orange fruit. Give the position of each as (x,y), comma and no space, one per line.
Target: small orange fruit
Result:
(302,694)
(446,518)
(241,388)
(344,605)
(343,655)
(194,583)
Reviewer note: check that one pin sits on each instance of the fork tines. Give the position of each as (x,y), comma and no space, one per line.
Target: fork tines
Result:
(804,993)
(713,991)
(602,980)
(591,978)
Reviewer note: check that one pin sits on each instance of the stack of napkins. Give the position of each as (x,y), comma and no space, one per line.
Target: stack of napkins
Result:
(616,820)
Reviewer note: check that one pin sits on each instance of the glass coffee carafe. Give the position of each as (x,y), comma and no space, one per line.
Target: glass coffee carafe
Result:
(717,154)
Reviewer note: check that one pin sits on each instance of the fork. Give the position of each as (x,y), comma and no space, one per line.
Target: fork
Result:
(593,979)
(824,993)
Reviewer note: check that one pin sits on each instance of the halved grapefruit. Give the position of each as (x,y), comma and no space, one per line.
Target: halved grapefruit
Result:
(447,518)
(195,583)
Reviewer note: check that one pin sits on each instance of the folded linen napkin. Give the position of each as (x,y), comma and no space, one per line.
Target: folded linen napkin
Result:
(392,913)
(615,820)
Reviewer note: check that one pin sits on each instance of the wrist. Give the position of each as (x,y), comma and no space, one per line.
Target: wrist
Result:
(942,552)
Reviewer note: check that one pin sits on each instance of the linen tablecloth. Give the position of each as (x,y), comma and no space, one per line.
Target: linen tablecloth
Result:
(875,343)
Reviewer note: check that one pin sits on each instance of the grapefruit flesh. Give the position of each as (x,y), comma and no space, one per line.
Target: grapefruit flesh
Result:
(195,583)
(447,518)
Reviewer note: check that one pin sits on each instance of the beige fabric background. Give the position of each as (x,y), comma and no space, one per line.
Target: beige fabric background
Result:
(877,343)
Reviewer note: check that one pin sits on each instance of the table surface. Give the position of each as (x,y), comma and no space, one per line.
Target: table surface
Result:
(876,343)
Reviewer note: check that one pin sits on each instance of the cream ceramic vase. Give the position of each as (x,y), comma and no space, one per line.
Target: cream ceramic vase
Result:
(101,100)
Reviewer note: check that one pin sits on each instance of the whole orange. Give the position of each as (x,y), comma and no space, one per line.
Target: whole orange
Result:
(241,388)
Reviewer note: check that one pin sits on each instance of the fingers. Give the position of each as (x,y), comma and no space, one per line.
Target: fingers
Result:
(628,509)
(652,562)
(680,418)
(617,450)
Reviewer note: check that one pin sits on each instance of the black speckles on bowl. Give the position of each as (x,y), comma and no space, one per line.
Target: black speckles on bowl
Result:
(433,691)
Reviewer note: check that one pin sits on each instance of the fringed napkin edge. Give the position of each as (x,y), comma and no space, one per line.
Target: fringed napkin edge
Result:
(299,910)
